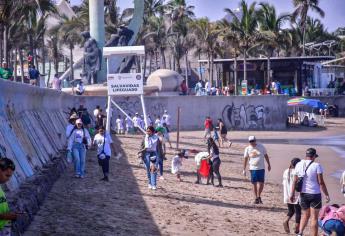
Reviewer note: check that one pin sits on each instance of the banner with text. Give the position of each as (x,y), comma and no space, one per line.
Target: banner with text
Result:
(125,84)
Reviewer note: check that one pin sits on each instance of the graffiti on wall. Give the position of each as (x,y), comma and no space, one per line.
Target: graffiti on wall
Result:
(131,107)
(245,117)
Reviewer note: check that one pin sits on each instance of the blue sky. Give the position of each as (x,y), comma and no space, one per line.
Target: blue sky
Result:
(214,9)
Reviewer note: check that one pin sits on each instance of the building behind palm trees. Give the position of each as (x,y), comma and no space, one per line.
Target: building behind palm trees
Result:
(293,73)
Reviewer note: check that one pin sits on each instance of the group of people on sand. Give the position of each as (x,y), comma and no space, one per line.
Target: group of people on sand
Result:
(79,141)
(303,183)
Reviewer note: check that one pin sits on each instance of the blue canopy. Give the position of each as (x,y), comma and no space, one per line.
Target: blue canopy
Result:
(314,103)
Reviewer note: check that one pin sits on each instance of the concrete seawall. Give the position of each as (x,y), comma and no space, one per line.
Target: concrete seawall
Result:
(33,120)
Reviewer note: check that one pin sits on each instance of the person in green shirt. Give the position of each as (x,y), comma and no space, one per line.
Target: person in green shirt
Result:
(7,168)
(5,72)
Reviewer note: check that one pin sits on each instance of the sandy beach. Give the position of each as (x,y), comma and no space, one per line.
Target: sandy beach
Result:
(125,206)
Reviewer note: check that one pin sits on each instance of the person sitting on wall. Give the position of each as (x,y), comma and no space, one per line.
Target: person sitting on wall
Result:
(5,72)
(80,88)
(183,87)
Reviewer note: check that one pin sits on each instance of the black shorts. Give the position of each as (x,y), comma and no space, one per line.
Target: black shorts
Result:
(308,200)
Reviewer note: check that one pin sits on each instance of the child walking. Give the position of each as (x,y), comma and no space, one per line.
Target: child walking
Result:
(293,207)
(176,164)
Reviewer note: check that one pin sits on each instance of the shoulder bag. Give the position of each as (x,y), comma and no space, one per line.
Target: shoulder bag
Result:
(299,183)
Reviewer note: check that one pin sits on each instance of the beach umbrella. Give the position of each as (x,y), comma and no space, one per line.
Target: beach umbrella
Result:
(314,103)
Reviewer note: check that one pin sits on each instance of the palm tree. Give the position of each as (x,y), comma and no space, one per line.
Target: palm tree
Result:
(152,8)
(178,10)
(158,35)
(302,8)
(231,45)
(8,15)
(272,34)
(206,35)
(246,27)
(180,16)
(70,34)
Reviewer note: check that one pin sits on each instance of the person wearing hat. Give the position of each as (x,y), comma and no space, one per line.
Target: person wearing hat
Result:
(310,196)
(78,142)
(255,154)
(71,125)
(293,207)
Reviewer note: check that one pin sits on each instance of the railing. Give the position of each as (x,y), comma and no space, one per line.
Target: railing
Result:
(322,92)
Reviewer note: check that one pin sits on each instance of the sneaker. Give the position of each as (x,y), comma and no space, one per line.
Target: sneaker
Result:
(162,178)
(230,143)
(219,186)
(149,186)
(77,176)
(154,187)
(256,201)
(82,177)
(197,182)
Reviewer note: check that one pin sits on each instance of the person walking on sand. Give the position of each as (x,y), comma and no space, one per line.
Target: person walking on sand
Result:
(78,143)
(255,154)
(120,125)
(215,162)
(293,207)
(311,174)
(104,145)
(342,182)
(151,156)
(176,163)
(208,127)
(223,132)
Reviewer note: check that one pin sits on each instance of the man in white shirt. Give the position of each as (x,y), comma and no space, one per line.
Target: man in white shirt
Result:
(208,87)
(119,125)
(166,119)
(256,155)
(158,122)
(136,122)
(313,183)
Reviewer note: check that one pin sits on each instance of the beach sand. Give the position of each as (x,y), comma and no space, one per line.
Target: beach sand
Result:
(125,205)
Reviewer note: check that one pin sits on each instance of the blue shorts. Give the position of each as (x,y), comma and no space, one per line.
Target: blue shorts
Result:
(257,176)
(332,225)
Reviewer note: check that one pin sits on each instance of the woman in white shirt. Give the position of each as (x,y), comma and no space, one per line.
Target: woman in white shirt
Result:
(293,207)
(104,143)
(79,141)
(152,155)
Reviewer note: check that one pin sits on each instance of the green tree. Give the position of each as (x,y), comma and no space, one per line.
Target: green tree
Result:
(272,33)
(70,35)
(246,28)
(206,37)
(302,8)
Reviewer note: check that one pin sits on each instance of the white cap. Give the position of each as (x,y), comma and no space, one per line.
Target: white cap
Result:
(251,138)
(165,111)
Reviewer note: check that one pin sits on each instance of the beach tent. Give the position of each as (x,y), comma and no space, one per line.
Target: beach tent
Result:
(313,103)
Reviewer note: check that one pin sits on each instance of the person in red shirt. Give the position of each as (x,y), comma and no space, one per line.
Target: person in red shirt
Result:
(183,87)
(208,127)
